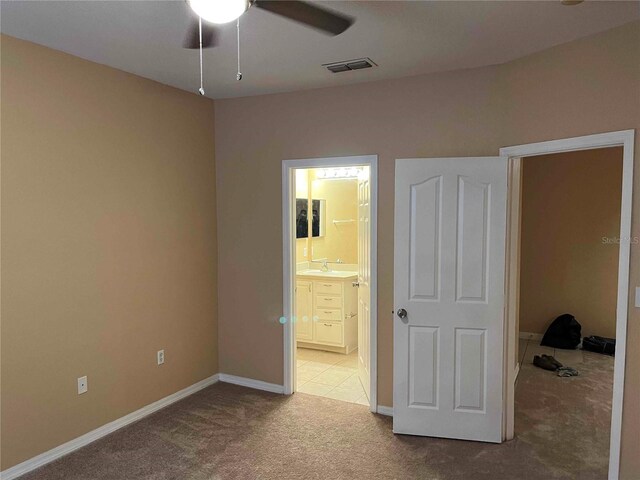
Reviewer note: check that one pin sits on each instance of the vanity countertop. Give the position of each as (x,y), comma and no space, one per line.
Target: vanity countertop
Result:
(338,275)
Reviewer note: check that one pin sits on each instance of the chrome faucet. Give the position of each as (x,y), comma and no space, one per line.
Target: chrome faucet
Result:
(325,264)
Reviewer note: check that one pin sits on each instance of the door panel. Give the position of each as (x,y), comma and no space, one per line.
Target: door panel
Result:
(424,244)
(470,369)
(423,366)
(364,269)
(471,255)
(449,277)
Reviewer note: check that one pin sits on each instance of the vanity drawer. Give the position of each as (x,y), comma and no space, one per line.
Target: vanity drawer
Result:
(331,314)
(330,301)
(331,288)
(329,332)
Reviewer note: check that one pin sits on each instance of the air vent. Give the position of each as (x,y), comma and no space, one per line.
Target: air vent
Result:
(340,67)
(348,65)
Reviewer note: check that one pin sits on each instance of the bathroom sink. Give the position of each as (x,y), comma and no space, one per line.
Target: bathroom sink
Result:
(330,274)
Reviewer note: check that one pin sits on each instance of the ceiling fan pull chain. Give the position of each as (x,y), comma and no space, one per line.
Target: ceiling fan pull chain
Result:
(201,90)
(239,74)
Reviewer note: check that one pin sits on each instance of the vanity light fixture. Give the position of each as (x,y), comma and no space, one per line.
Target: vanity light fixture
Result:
(332,173)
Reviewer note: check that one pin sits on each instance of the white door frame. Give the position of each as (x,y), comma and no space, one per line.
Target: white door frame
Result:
(288,262)
(625,139)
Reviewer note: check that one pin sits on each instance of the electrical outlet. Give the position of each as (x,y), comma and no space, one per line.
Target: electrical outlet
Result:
(83,385)
(304,252)
(160,357)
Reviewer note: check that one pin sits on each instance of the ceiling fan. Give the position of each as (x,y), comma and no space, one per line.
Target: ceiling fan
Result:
(224,11)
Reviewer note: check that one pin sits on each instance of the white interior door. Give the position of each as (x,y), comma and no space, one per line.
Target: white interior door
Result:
(364,280)
(450,227)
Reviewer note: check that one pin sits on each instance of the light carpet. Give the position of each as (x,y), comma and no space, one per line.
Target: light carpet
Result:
(230,432)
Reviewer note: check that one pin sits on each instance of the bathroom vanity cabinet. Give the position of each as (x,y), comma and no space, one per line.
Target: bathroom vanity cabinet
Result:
(330,307)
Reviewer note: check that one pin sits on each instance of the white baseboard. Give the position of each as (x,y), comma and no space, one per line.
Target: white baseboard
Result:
(102,431)
(251,383)
(530,336)
(383,410)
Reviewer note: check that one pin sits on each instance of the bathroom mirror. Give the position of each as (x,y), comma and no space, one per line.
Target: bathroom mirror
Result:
(316,216)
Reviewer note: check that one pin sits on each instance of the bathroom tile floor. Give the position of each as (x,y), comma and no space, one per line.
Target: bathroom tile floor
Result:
(330,375)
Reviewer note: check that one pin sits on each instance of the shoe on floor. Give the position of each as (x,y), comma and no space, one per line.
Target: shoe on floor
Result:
(544,362)
(567,372)
(552,360)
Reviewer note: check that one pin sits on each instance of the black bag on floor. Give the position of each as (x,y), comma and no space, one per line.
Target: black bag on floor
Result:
(599,344)
(564,332)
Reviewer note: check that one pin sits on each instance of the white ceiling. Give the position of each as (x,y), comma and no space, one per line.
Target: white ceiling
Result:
(404,38)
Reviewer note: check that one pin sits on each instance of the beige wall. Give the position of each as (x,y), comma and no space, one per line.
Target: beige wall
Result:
(108,245)
(587,86)
(340,240)
(569,257)
(255,134)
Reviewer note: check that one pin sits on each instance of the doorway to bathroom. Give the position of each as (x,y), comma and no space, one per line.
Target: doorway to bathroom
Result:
(329,252)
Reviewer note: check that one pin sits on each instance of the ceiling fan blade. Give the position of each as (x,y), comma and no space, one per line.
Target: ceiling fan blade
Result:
(313,16)
(192,39)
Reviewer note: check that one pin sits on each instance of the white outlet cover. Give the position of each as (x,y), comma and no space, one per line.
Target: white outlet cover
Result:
(83,385)
(160,357)
(637,297)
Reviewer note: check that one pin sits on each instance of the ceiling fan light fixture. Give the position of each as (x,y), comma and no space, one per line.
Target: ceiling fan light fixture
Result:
(217,11)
